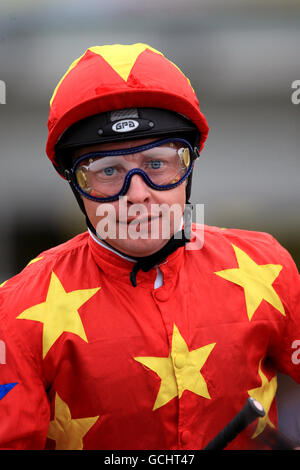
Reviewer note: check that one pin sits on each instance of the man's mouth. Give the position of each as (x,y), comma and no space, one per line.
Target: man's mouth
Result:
(138,220)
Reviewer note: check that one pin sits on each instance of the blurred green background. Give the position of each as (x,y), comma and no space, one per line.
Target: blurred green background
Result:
(241,57)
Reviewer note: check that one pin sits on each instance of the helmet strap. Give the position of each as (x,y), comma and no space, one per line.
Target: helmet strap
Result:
(148,262)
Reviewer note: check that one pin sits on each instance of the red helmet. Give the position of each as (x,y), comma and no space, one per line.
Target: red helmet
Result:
(115,77)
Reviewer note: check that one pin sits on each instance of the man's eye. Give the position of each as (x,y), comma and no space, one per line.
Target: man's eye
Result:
(109,171)
(155,164)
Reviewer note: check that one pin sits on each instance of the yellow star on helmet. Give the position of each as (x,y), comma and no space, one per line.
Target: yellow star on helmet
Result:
(179,371)
(68,433)
(59,312)
(256,280)
(265,395)
(119,56)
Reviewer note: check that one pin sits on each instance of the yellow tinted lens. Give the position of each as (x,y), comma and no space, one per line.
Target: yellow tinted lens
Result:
(163,164)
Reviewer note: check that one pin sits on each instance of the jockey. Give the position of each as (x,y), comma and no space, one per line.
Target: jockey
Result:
(146,331)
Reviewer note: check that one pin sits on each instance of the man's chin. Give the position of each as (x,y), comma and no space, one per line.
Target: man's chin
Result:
(137,248)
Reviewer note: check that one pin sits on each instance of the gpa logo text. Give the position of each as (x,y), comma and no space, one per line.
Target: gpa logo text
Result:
(2,92)
(126,125)
(295,97)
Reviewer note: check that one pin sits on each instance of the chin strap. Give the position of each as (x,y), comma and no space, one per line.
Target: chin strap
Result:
(148,262)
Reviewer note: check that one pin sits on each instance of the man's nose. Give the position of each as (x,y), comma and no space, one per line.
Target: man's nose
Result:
(138,190)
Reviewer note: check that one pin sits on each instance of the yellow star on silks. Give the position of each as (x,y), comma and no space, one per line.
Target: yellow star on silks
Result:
(265,395)
(67,432)
(34,260)
(256,281)
(59,313)
(30,262)
(179,371)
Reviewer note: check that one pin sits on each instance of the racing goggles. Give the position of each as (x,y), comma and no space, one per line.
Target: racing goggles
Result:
(105,176)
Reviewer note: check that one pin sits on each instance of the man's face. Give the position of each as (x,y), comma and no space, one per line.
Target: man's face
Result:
(141,222)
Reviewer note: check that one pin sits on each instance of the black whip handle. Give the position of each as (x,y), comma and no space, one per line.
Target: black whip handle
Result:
(252,410)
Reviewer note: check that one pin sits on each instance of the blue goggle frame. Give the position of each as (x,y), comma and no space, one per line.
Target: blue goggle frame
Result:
(133,171)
